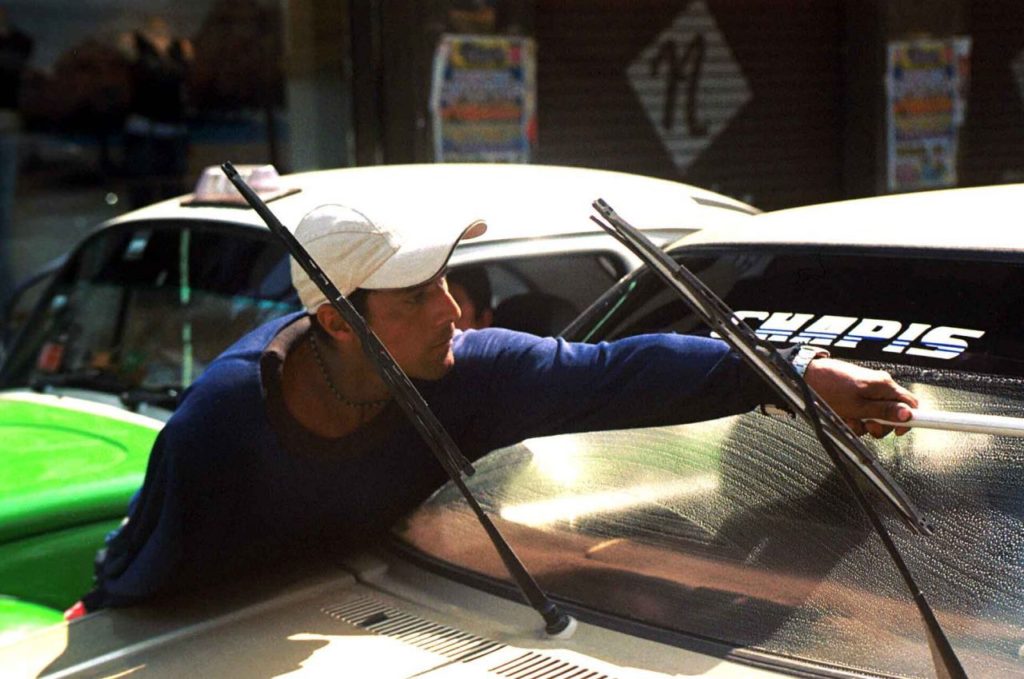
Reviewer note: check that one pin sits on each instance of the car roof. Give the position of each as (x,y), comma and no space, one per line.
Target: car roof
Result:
(517,201)
(984,219)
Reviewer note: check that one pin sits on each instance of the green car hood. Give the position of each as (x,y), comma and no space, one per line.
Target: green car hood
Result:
(67,461)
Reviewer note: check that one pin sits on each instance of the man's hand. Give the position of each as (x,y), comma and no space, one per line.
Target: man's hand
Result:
(857,394)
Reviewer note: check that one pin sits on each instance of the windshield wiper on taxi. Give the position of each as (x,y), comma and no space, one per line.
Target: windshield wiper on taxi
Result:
(93,379)
(444,448)
(130,395)
(848,453)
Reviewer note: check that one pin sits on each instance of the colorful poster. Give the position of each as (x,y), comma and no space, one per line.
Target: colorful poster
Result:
(483,99)
(926,84)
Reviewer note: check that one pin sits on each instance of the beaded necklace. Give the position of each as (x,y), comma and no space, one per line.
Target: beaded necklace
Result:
(361,405)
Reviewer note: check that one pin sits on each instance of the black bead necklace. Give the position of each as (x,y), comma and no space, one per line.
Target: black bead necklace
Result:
(361,405)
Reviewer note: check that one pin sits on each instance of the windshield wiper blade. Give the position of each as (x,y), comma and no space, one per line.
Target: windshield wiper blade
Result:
(557,623)
(765,361)
(848,453)
(96,380)
(131,396)
(162,396)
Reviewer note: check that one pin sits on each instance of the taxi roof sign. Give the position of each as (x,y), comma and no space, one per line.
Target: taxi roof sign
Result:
(214,188)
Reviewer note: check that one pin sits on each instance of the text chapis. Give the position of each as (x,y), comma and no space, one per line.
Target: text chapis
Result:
(916,339)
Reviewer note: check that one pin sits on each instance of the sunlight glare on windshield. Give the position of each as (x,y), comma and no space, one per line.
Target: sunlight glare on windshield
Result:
(939,450)
(559,458)
(572,507)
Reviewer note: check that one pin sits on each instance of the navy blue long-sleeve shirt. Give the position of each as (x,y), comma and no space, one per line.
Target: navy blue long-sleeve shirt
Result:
(232,480)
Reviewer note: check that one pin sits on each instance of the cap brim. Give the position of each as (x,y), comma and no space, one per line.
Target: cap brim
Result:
(417,263)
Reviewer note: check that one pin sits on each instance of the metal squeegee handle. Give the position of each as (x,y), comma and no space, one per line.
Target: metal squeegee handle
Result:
(995,425)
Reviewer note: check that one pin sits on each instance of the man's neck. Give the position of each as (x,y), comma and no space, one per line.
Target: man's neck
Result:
(315,391)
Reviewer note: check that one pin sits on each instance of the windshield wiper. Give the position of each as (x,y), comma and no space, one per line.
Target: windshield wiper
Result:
(131,396)
(94,379)
(848,453)
(162,396)
(557,623)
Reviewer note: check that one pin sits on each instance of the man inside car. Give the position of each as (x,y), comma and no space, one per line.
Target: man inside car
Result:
(290,444)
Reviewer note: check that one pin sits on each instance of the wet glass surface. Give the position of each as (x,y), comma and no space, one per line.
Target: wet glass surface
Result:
(740,530)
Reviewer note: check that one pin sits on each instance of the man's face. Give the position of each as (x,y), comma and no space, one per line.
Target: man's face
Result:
(416,325)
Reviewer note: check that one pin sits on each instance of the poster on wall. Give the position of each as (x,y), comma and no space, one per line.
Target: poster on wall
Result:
(926,81)
(483,99)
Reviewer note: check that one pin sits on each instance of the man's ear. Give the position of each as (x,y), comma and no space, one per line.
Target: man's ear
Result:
(332,322)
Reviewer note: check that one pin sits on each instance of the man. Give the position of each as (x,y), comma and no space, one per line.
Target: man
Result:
(289,444)
(470,287)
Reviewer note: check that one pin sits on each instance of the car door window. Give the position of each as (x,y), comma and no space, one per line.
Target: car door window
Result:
(543,294)
(739,530)
(150,305)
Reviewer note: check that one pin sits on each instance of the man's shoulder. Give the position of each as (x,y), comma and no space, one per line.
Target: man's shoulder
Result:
(235,373)
(257,339)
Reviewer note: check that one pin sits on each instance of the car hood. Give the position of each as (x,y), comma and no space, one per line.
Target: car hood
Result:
(67,461)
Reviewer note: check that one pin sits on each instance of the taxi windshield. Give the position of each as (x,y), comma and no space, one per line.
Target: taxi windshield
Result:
(738,533)
(145,306)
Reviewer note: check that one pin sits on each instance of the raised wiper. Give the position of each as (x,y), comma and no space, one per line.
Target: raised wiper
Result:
(557,623)
(766,362)
(848,453)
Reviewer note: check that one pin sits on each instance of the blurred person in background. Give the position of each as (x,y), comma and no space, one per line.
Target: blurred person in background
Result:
(15,49)
(471,289)
(155,135)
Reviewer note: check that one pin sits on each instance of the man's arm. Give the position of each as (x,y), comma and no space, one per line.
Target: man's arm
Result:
(537,387)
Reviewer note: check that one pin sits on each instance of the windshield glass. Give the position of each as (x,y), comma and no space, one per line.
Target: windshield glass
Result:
(739,530)
(145,306)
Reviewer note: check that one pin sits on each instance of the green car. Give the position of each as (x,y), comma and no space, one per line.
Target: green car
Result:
(135,312)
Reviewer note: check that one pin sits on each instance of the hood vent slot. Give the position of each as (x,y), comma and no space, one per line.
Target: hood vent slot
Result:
(537,666)
(378,618)
(458,646)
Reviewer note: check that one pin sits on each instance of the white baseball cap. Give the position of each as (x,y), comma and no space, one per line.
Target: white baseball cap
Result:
(357,252)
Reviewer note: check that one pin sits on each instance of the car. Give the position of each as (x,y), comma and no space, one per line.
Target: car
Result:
(725,548)
(132,315)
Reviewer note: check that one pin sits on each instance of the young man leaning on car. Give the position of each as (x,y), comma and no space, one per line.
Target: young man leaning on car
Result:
(290,443)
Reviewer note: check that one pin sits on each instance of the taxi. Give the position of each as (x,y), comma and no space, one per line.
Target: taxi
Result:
(136,310)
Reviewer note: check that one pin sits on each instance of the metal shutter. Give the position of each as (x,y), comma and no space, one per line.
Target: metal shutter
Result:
(762,121)
(993,133)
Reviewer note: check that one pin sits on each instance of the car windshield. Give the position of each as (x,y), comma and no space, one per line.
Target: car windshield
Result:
(739,532)
(141,308)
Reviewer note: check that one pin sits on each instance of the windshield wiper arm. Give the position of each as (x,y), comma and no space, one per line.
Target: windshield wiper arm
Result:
(558,624)
(762,357)
(94,379)
(848,453)
(163,396)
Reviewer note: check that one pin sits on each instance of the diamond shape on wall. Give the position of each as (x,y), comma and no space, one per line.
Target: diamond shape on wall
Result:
(689,84)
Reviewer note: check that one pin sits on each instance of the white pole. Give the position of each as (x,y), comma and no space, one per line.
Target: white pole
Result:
(996,425)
